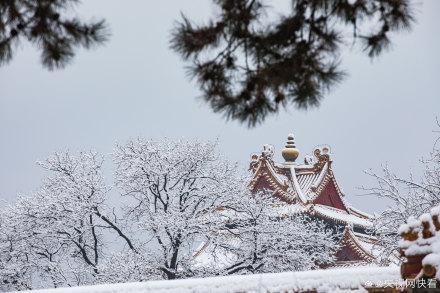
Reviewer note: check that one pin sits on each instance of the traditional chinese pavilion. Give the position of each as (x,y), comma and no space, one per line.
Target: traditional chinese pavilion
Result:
(311,188)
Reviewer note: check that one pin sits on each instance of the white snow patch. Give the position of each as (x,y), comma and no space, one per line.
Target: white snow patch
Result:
(330,280)
(342,216)
(435,210)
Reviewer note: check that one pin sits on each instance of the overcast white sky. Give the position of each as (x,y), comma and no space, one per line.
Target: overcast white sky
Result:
(384,112)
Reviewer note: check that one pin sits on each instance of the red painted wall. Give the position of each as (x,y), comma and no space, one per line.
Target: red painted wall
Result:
(329,197)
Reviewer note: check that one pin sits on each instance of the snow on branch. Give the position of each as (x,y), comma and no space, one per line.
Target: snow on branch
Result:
(409,197)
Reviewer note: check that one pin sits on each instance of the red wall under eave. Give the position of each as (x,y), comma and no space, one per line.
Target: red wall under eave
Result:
(329,197)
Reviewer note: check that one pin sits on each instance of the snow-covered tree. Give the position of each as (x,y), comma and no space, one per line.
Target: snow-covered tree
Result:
(176,196)
(175,188)
(411,196)
(14,267)
(128,266)
(259,238)
(55,236)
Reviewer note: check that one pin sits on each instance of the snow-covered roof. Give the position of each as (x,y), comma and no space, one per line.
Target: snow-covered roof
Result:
(302,184)
(368,243)
(306,180)
(341,216)
(329,280)
(323,211)
(359,213)
(359,243)
(294,181)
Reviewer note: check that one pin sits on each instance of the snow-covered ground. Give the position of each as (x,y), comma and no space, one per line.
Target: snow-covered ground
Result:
(331,280)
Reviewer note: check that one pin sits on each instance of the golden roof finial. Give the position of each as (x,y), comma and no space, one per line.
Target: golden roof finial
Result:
(290,152)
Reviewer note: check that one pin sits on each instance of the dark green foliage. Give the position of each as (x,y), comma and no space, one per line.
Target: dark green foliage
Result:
(248,67)
(46,24)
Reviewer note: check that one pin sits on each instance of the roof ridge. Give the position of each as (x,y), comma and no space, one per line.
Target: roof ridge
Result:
(298,188)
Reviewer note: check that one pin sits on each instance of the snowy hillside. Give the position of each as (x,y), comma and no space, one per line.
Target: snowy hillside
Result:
(321,280)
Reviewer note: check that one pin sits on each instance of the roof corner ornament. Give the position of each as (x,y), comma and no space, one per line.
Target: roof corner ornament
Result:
(322,155)
(309,160)
(268,152)
(290,152)
(254,163)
